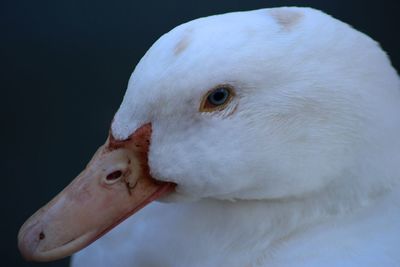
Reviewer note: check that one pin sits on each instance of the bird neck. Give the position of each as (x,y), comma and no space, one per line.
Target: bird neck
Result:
(261,224)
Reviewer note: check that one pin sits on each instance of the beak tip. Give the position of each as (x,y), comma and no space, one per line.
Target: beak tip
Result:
(28,241)
(26,248)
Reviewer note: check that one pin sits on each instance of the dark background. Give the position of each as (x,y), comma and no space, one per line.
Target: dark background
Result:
(64,70)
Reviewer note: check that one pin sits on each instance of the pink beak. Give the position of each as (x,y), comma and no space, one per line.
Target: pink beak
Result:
(115,184)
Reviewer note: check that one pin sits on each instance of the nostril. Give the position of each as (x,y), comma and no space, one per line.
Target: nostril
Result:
(113,176)
(41,236)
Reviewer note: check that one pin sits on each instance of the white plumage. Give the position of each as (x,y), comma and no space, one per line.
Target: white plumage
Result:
(301,169)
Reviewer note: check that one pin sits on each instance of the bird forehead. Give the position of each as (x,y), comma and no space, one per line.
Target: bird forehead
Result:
(198,55)
(216,39)
(218,31)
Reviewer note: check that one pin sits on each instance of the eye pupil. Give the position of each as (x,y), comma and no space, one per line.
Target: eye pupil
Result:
(219,96)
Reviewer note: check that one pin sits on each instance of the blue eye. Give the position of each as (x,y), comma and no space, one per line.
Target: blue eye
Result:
(219,96)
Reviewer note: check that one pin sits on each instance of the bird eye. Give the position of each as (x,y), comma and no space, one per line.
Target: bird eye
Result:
(217,98)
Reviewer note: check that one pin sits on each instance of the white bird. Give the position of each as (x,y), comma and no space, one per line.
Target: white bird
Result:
(270,137)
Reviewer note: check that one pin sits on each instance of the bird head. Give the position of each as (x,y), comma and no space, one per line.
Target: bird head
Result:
(261,105)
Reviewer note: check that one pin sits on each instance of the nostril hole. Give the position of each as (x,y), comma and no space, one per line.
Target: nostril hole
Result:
(114,176)
(41,236)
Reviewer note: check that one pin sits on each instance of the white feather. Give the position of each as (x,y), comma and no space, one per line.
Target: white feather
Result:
(303,168)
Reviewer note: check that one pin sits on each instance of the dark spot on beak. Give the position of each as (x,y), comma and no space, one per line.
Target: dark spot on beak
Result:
(114,175)
(41,236)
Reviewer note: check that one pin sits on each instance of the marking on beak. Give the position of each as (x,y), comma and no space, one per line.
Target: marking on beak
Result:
(41,235)
(128,182)
(129,187)
(69,241)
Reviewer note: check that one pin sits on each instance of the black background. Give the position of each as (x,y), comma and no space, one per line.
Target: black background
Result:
(64,70)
